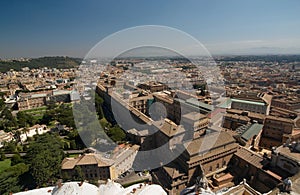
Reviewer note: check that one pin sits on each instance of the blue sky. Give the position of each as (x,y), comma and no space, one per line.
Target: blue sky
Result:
(72,27)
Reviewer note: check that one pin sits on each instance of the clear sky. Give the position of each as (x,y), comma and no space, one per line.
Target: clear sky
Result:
(72,27)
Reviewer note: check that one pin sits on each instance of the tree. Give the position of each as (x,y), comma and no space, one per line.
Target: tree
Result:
(2,104)
(73,145)
(10,147)
(48,117)
(76,139)
(21,119)
(16,159)
(51,105)
(8,120)
(44,158)
(98,104)
(116,134)
(63,114)
(2,156)
(10,180)
(25,119)
(78,176)
(6,114)
(17,136)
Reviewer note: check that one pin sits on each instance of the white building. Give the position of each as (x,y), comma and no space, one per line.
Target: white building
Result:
(31,131)
(5,137)
(102,166)
(123,160)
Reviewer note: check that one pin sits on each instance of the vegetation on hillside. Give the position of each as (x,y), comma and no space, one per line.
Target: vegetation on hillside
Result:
(50,62)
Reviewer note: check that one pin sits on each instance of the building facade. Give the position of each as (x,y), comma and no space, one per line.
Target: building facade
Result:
(274,130)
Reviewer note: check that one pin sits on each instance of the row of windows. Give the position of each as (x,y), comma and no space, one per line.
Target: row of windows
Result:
(211,158)
(218,166)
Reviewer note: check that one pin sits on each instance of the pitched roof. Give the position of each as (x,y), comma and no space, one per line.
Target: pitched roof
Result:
(250,157)
(281,119)
(90,159)
(86,159)
(209,142)
(249,114)
(169,128)
(172,170)
(69,163)
(237,117)
(194,116)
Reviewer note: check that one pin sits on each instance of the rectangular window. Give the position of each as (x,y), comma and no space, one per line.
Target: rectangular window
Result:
(224,163)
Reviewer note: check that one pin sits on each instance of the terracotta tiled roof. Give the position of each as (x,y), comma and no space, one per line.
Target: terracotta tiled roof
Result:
(237,117)
(172,170)
(250,114)
(194,116)
(69,163)
(205,143)
(279,119)
(89,159)
(86,159)
(250,157)
(169,128)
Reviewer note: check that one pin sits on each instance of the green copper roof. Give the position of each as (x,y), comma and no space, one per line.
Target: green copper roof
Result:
(248,102)
(253,130)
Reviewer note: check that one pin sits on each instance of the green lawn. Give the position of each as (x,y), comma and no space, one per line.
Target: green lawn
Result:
(37,117)
(42,108)
(37,113)
(73,155)
(4,164)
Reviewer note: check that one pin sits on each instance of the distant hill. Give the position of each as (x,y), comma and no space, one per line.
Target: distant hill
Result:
(265,58)
(50,62)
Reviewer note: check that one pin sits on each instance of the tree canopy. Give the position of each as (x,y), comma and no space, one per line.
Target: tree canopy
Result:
(10,179)
(44,158)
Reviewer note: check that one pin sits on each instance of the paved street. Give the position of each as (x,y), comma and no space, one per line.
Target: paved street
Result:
(132,177)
